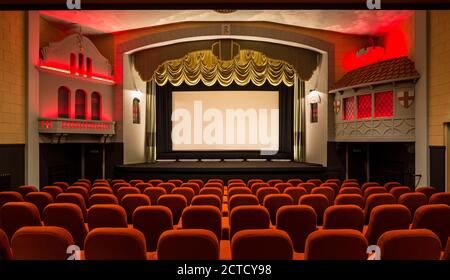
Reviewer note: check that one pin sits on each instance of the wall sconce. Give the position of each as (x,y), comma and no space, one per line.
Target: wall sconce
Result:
(313,96)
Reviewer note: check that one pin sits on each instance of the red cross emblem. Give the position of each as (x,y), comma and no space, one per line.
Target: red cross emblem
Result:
(337,106)
(406,98)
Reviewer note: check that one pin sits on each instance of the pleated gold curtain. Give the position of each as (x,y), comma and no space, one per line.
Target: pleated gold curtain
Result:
(248,66)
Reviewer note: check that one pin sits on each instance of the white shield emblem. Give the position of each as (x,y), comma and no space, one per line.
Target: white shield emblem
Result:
(406,98)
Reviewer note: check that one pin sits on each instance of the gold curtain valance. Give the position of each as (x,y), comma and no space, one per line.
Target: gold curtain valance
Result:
(247,66)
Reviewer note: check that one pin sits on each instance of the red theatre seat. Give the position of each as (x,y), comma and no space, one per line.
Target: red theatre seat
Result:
(344,217)
(106,215)
(132,201)
(295,193)
(350,199)
(203,217)
(207,199)
(435,217)
(176,203)
(52,190)
(336,244)
(103,199)
(41,243)
(248,217)
(152,221)
(24,190)
(14,215)
(261,244)
(318,202)
(188,244)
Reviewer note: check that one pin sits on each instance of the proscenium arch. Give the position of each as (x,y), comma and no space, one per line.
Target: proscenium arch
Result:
(268,32)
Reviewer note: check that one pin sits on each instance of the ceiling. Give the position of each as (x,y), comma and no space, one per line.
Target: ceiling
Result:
(359,22)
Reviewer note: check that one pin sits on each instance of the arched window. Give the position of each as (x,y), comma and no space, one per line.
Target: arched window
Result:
(96,106)
(63,102)
(80,104)
(89,67)
(73,63)
(80,64)
(136,111)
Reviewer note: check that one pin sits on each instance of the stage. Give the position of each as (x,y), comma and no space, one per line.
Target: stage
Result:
(223,169)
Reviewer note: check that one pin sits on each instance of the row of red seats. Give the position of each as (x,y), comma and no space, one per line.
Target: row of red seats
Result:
(198,244)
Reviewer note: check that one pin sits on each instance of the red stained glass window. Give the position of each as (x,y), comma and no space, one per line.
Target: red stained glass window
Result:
(364,106)
(349,109)
(384,104)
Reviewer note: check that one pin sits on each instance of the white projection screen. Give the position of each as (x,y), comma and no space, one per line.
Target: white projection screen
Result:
(225,121)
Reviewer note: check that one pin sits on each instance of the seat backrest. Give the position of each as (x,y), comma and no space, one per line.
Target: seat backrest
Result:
(199,182)
(188,244)
(188,193)
(74,198)
(253,181)
(216,180)
(372,190)
(261,244)
(350,185)
(295,182)
(263,192)
(167,186)
(132,201)
(155,182)
(295,193)
(446,255)
(41,243)
(115,187)
(336,188)
(334,180)
(142,186)
(440,198)
(384,218)
(24,190)
(194,186)
(10,196)
(282,186)
(368,185)
(412,244)
(336,244)
(106,215)
(14,215)
(123,191)
(237,185)
(85,185)
(390,185)
(152,221)
(115,181)
(154,193)
(256,186)
(238,190)
(230,181)
(307,186)
(207,199)
(52,190)
(273,182)
(428,191)
(435,217)
(62,185)
(79,190)
(101,190)
(103,199)
(273,202)
(242,199)
(40,199)
(316,182)
(398,191)
(413,201)
(5,248)
(214,185)
(351,190)
(318,202)
(176,182)
(115,244)
(344,217)
(326,191)
(203,217)
(350,199)
(248,217)
(377,199)
(176,203)
(69,217)
(298,221)
(350,181)
(135,181)
(214,191)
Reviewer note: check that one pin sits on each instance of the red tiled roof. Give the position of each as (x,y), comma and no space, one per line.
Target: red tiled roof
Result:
(388,70)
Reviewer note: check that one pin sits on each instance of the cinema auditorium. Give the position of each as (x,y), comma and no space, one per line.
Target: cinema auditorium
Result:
(224,135)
